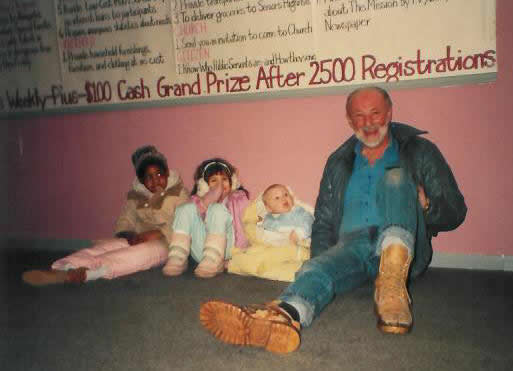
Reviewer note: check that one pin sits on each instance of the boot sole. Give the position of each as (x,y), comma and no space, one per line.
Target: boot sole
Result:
(173,273)
(393,329)
(202,272)
(43,278)
(389,328)
(208,269)
(205,274)
(174,270)
(234,325)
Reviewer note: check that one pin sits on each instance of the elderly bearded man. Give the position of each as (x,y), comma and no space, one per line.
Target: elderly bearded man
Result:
(383,195)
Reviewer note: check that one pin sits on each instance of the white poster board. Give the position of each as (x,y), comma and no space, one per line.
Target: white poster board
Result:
(92,54)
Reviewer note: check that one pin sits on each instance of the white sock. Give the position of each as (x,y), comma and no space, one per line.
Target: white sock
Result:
(389,240)
(305,311)
(94,274)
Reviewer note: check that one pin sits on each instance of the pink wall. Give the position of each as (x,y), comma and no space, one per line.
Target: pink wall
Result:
(72,176)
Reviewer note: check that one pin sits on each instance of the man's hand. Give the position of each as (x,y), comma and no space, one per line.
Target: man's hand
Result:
(424,201)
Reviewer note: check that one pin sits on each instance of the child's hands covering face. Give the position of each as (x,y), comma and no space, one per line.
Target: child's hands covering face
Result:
(213,195)
(220,180)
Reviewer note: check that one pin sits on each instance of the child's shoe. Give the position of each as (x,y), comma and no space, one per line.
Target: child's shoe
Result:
(180,248)
(213,257)
(266,326)
(51,277)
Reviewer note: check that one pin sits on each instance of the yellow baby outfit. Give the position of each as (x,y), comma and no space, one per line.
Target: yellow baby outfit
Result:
(277,260)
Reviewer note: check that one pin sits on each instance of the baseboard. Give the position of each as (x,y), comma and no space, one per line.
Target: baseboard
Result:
(45,244)
(440,259)
(479,262)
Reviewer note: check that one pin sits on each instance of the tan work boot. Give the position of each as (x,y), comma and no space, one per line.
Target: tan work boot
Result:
(266,326)
(51,277)
(391,298)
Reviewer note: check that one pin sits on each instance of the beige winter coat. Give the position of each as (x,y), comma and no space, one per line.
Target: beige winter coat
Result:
(144,211)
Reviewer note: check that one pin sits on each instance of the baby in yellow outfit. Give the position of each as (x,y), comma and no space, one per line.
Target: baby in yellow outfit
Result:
(278,227)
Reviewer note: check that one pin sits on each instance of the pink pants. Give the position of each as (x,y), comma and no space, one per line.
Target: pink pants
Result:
(117,256)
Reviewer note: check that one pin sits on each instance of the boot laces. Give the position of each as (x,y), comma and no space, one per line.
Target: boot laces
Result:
(392,286)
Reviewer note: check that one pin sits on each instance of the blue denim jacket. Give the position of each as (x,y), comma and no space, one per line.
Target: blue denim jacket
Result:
(423,162)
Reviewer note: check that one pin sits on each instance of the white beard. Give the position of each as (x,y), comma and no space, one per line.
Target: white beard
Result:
(382,133)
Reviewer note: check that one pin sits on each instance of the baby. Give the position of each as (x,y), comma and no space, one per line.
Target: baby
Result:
(285,217)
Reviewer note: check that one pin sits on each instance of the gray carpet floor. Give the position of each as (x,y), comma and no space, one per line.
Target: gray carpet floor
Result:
(463,321)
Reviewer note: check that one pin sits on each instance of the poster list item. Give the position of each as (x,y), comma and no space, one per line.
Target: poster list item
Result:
(121,51)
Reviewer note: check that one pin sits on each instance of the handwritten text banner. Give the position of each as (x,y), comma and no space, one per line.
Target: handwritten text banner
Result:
(64,54)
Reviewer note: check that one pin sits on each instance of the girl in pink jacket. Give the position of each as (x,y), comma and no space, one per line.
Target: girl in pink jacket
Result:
(143,229)
(208,227)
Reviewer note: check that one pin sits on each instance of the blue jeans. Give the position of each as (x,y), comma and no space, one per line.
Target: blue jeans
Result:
(354,260)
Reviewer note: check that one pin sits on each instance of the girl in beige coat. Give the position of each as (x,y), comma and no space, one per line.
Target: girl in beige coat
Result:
(142,230)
